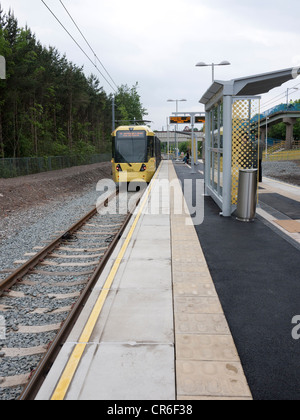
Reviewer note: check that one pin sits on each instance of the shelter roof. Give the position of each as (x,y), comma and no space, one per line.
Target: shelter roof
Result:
(252,85)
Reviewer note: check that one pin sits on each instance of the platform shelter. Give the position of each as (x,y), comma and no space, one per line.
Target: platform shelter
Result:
(232,132)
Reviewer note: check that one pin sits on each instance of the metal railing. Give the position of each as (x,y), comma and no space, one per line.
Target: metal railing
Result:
(13,167)
(281,108)
(282,155)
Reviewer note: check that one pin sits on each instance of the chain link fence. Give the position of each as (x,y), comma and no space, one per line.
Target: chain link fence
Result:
(13,167)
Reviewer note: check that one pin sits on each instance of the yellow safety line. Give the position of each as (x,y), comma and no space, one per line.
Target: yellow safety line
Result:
(72,365)
(282,182)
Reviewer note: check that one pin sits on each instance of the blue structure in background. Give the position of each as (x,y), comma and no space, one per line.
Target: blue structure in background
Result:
(286,113)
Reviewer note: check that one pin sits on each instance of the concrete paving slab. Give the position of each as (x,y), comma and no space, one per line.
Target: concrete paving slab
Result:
(194,288)
(75,334)
(197,276)
(201,324)
(127,372)
(206,347)
(48,387)
(288,190)
(156,250)
(144,274)
(153,233)
(213,379)
(292,226)
(190,268)
(197,305)
(156,220)
(140,316)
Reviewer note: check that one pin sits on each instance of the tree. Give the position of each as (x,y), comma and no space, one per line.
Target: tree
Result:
(48,106)
(6,52)
(129,107)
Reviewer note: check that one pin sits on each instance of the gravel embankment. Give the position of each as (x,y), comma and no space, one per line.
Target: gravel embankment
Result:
(32,210)
(67,196)
(39,224)
(286,171)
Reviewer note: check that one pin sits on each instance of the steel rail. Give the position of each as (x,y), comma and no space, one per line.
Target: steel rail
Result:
(30,391)
(40,256)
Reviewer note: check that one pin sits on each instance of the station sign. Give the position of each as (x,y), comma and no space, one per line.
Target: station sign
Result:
(199,120)
(180,120)
(187,120)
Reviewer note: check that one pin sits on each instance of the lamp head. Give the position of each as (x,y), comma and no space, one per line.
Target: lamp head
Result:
(201,64)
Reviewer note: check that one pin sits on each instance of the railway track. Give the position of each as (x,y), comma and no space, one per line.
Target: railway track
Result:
(41,300)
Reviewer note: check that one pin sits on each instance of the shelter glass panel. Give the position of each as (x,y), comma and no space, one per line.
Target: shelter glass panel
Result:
(215,171)
(215,145)
(220,174)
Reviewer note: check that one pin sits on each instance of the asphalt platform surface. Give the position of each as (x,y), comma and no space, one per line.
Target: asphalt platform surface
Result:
(257,276)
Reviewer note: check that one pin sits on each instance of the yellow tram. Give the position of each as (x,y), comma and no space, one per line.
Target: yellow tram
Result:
(136,154)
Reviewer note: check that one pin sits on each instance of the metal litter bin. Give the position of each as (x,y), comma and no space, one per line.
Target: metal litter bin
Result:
(247,195)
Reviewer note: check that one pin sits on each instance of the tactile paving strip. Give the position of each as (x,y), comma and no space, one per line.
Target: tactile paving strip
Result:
(207,363)
(292,226)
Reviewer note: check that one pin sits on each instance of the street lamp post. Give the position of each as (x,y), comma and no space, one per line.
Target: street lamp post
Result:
(113,114)
(176,100)
(267,118)
(287,94)
(168,139)
(212,65)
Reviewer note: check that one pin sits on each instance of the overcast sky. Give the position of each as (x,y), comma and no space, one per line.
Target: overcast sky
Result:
(157,43)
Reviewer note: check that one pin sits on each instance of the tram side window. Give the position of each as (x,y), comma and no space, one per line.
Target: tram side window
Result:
(157,151)
(150,147)
(157,148)
(113,147)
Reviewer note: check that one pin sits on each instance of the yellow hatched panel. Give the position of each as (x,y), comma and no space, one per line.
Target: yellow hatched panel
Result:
(245,139)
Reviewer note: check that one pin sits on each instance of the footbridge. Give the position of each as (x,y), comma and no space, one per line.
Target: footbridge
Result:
(179,136)
(286,113)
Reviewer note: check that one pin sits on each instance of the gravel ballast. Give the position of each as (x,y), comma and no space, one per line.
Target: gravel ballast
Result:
(25,226)
(286,171)
(54,201)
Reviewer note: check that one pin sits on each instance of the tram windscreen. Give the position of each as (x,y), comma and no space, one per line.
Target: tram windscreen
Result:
(131,147)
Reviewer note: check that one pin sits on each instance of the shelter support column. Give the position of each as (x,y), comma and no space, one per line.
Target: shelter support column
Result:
(263,133)
(207,154)
(227,154)
(289,122)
